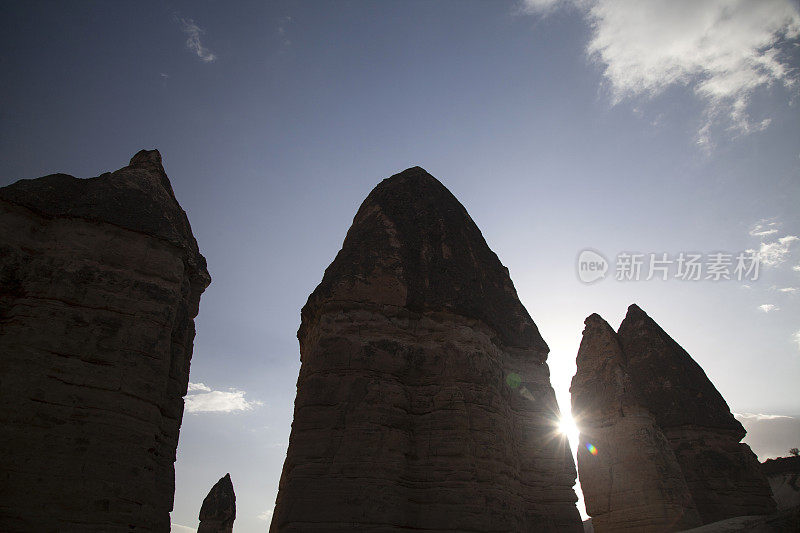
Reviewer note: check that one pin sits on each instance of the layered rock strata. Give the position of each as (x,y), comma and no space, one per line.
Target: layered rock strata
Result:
(722,473)
(424,400)
(100,280)
(630,478)
(219,508)
(635,391)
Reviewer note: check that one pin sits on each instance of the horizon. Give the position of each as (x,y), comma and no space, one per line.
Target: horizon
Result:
(560,126)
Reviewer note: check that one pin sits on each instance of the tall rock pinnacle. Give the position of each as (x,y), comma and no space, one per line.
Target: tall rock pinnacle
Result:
(100,280)
(424,399)
(659,446)
(630,478)
(723,474)
(219,508)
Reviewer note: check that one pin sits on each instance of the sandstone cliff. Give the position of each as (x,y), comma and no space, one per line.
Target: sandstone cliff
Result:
(219,508)
(630,478)
(667,451)
(723,474)
(424,400)
(100,280)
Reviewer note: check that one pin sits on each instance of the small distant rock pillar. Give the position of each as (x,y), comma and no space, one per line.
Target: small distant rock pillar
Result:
(219,508)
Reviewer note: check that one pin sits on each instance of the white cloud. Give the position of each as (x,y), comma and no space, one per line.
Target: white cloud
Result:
(724,50)
(193,387)
(193,32)
(266,516)
(790,290)
(764,227)
(775,253)
(202,399)
(796,338)
(759,416)
(177,528)
(796,268)
(768,308)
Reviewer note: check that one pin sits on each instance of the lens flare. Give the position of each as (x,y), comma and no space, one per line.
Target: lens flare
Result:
(513,380)
(591,448)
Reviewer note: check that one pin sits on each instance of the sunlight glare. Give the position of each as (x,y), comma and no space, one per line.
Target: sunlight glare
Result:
(566,426)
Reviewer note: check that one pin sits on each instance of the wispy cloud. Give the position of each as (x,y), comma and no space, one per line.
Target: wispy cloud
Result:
(764,227)
(776,252)
(759,416)
(266,516)
(282,30)
(767,308)
(203,399)
(796,338)
(193,43)
(789,290)
(724,50)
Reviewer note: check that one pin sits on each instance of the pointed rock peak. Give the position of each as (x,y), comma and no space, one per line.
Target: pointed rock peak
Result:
(599,346)
(147,159)
(595,320)
(219,506)
(150,161)
(637,322)
(659,366)
(599,382)
(138,197)
(413,245)
(599,338)
(635,311)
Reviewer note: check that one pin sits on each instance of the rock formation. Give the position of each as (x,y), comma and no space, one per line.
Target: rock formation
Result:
(783,475)
(723,474)
(424,400)
(100,280)
(667,447)
(219,508)
(630,477)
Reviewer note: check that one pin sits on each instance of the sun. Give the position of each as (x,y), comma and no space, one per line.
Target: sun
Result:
(566,426)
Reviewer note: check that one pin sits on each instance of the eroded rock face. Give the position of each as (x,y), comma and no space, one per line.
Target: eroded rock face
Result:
(219,508)
(723,474)
(669,451)
(630,477)
(424,400)
(100,280)
(783,475)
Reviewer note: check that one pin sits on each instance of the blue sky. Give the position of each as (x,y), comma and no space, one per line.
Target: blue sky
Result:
(645,127)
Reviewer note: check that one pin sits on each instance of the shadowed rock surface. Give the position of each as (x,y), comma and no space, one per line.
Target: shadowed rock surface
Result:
(785,521)
(424,401)
(653,409)
(722,473)
(783,475)
(219,508)
(632,481)
(100,280)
